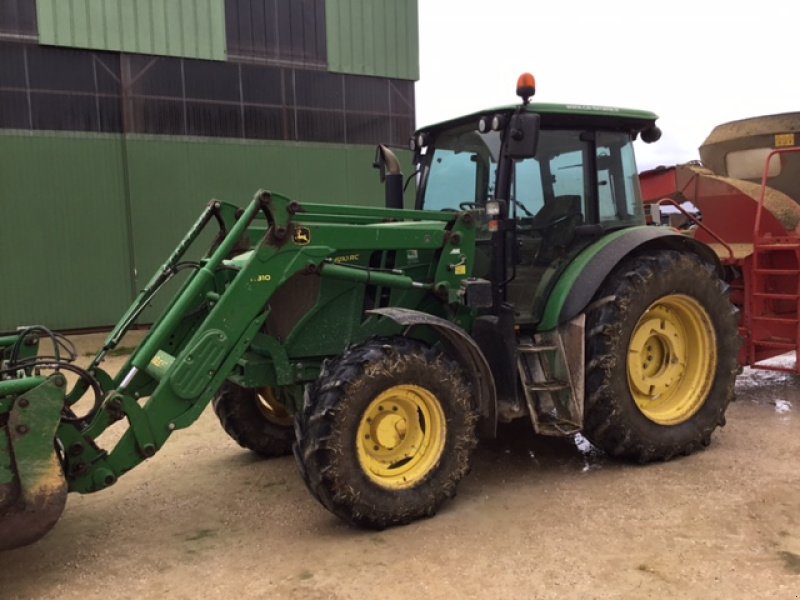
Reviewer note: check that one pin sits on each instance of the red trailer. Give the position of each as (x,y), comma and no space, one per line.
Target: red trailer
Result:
(755,231)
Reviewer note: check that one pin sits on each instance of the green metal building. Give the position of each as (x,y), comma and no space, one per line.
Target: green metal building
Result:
(120,119)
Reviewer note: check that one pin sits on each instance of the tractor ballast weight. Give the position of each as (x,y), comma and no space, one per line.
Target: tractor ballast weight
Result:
(376,344)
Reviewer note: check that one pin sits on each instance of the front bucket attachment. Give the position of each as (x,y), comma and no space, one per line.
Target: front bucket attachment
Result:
(33,490)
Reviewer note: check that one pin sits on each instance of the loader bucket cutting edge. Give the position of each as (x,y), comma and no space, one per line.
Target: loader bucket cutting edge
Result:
(33,490)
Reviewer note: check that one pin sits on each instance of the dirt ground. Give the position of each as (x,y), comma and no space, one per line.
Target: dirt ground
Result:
(536,518)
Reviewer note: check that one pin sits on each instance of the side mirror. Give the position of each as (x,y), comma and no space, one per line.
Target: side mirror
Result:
(522,135)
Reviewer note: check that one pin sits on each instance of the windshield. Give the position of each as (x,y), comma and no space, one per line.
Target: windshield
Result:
(462,170)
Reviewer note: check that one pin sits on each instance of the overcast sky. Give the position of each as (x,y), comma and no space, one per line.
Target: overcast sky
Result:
(695,64)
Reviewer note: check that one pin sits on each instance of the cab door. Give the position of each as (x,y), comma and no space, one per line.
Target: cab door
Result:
(551,195)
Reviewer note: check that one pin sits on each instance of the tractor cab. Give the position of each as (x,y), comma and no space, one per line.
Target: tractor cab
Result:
(546,180)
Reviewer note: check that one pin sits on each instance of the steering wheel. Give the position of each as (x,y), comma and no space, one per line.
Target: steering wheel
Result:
(467,205)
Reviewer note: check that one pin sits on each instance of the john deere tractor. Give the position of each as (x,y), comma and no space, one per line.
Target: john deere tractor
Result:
(379,344)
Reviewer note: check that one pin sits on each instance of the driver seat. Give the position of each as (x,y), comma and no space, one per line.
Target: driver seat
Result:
(557,221)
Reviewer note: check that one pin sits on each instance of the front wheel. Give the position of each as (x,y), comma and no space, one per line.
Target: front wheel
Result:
(386,432)
(661,357)
(256,419)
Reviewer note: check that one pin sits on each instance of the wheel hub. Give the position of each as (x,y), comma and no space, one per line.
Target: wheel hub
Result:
(401,436)
(390,431)
(672,357)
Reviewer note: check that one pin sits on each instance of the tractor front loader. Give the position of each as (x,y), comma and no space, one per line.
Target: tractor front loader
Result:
(378,344)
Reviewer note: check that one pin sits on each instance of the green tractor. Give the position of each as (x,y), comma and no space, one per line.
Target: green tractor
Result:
(379,344)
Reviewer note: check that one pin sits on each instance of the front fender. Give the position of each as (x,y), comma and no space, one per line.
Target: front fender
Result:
(465,351)
(580,281)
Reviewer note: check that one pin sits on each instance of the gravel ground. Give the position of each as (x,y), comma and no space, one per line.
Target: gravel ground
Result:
(536,518)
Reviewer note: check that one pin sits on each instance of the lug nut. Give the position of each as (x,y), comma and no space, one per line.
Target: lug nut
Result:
(22,429)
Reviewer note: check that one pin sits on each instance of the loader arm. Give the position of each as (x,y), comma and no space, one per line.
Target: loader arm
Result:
(184,380)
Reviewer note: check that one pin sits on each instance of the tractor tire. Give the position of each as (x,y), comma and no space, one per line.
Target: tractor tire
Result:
(386,432)
(255,420)
(661,357)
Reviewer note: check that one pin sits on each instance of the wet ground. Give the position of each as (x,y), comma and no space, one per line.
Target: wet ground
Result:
(536,518)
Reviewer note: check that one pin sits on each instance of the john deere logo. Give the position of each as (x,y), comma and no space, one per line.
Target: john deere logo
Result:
(302,236)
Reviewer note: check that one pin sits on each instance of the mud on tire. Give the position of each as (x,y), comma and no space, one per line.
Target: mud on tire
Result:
(613,420)
(246,420)
(344,407)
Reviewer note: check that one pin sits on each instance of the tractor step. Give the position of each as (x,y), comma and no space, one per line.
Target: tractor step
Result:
(553,385)
(530,349)
(547,386)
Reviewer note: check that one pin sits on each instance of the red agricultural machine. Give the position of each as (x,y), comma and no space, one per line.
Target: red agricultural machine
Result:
(753,227)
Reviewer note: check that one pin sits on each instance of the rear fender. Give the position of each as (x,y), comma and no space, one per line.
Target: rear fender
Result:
(465,351)
(579,283)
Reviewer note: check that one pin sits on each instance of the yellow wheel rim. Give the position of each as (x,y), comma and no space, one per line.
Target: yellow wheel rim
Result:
(272,408)
(401,436)
(672,359)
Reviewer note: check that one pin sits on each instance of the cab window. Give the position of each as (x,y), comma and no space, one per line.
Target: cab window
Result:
(462,169)
(618,191)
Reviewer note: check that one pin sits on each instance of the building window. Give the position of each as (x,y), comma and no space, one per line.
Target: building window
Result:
(80,90)
(289,32)
(18,19)
(60,89)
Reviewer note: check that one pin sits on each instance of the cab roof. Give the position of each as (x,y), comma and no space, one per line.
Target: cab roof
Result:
(556,116)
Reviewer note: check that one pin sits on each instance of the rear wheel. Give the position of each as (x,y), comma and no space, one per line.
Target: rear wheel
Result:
(256,419)
(386,432)
(661,357)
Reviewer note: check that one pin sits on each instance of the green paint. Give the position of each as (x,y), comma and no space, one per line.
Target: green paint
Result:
(373,37)
(7,472)
(188,28)
(19,386)
(63,211)
(65,194)
(552,311)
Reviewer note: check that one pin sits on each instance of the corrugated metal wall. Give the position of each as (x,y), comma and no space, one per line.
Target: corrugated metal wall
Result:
(373,37)
(172,180)
(64,202)
(64,258)
(188,28)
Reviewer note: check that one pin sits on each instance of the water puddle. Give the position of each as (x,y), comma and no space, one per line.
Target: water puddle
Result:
(783,406)
(770,388)
(592,457)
